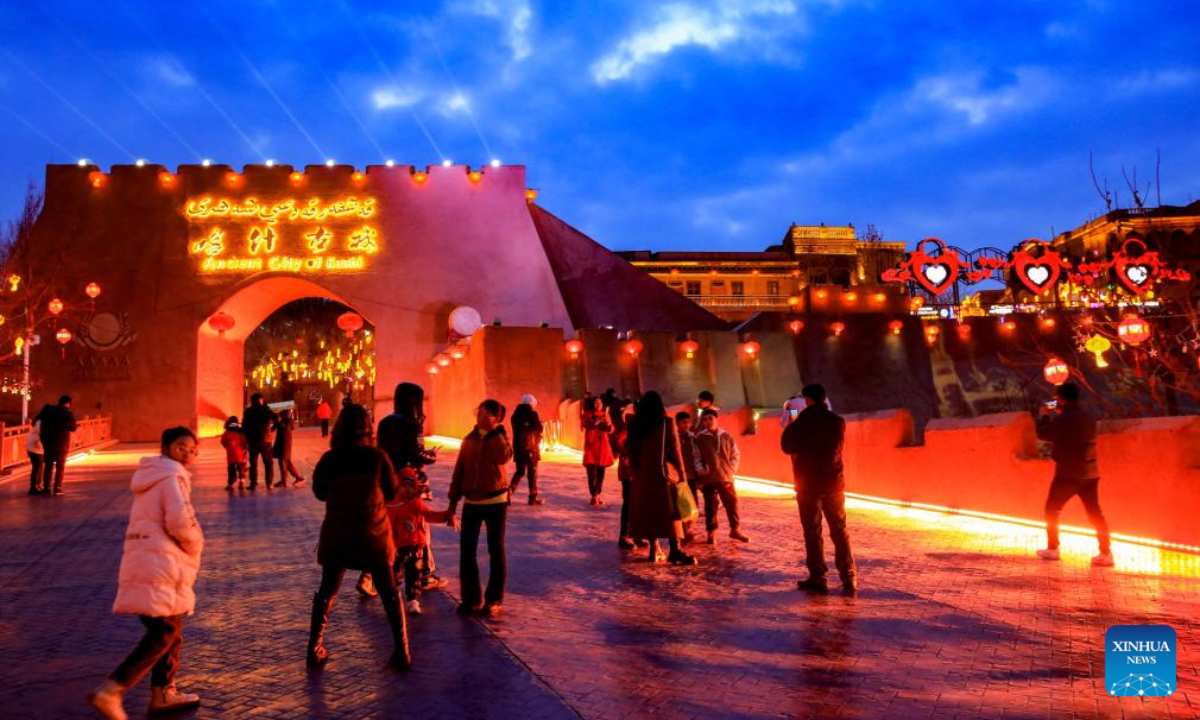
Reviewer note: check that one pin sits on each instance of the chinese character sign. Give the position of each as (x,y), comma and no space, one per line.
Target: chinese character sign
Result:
(289,235)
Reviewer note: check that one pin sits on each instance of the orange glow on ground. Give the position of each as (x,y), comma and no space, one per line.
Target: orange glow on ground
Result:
(986,532)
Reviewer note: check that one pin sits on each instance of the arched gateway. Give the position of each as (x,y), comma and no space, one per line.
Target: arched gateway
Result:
(402,247)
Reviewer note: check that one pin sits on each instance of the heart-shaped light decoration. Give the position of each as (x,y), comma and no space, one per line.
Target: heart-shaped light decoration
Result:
(1040,273)
(935,273)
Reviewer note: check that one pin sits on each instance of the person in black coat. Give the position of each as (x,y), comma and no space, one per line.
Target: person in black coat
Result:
(527,452)
(257,421)
(399,435)
(57,424)
(815,440)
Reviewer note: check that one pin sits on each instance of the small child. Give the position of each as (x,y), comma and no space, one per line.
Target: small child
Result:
(237,452)
(408,513)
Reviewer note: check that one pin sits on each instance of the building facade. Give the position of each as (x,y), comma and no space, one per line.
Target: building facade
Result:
(813,264)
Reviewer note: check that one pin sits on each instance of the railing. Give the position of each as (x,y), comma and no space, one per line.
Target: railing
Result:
(91,431)
(740,301)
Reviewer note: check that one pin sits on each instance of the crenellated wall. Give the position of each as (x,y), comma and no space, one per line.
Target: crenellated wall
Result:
(453,239)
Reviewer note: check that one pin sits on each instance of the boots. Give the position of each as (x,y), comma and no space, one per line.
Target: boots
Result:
(106,699)
(169,699)
(317,654)
(401,658)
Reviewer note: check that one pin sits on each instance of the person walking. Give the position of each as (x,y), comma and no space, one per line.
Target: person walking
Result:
(693,466)
(479,481)
(324,415)
(257,422)
(35,451)
(1072,431)
(657,464)
(159,565)
(237,452)
(814,440)
(355,480)
(281,450)
(400,435)
(597,451)
(721,457)
(527,446)
(57,424)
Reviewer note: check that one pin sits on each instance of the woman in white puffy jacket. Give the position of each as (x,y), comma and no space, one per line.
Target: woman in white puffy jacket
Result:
(163,543)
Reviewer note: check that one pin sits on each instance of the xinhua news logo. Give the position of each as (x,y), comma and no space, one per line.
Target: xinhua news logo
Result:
(1139,660)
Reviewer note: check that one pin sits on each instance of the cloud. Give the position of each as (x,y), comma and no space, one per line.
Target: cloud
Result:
(389,97)
(935,110)
(169,71)
(517,16)
(456,103)
(1153,81)
(678,25)
(978,98)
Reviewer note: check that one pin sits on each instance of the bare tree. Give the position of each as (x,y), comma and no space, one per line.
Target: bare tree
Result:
(1105,195)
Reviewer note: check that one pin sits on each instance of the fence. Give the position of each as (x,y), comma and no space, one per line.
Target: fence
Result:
(91,431)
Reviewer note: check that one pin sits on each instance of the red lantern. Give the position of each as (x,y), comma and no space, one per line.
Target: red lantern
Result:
(896,326)
(964,331)
(221,322)
(931,333)
(574,347)
(796,326)
(1133,330)
(55,307)
(92,290)
(1056,371)
(751,348)
(350,322)
(63,336)
(633,347)
(689,347)
(837,328)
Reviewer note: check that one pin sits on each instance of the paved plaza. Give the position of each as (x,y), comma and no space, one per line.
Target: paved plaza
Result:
(956,618)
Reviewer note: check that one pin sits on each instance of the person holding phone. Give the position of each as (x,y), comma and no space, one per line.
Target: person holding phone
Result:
(791,410)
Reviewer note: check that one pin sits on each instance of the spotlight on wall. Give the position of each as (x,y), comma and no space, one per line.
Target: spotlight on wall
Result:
(390,163)
(140,162)
(447,163)
(495,162)
(330,162)
(206,162)
(84,162)
(270,163)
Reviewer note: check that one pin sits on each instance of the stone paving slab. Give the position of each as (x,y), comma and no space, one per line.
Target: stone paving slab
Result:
(956,619)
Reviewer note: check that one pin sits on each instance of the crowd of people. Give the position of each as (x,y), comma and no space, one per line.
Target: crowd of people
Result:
(373,485)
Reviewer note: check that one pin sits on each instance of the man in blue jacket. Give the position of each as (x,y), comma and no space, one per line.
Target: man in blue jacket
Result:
(1072,431)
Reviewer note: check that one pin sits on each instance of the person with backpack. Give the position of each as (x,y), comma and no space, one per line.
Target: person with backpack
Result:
(527,446)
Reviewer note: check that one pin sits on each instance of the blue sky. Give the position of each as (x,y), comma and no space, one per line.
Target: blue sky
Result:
(696,124)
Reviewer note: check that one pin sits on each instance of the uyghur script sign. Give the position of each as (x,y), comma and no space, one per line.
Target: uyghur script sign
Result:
(248,236)
(1033,264)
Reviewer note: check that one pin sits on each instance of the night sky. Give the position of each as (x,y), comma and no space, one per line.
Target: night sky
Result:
(675,125)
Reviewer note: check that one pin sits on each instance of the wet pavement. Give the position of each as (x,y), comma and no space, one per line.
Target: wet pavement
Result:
(956,618)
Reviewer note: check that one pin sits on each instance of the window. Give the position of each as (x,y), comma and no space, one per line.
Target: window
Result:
(737,287)
(772,287)
(693,287)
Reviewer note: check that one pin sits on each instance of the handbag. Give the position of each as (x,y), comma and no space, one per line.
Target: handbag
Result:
(683,501)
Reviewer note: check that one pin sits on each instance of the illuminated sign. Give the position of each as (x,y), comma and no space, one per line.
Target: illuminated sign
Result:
(289,235)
